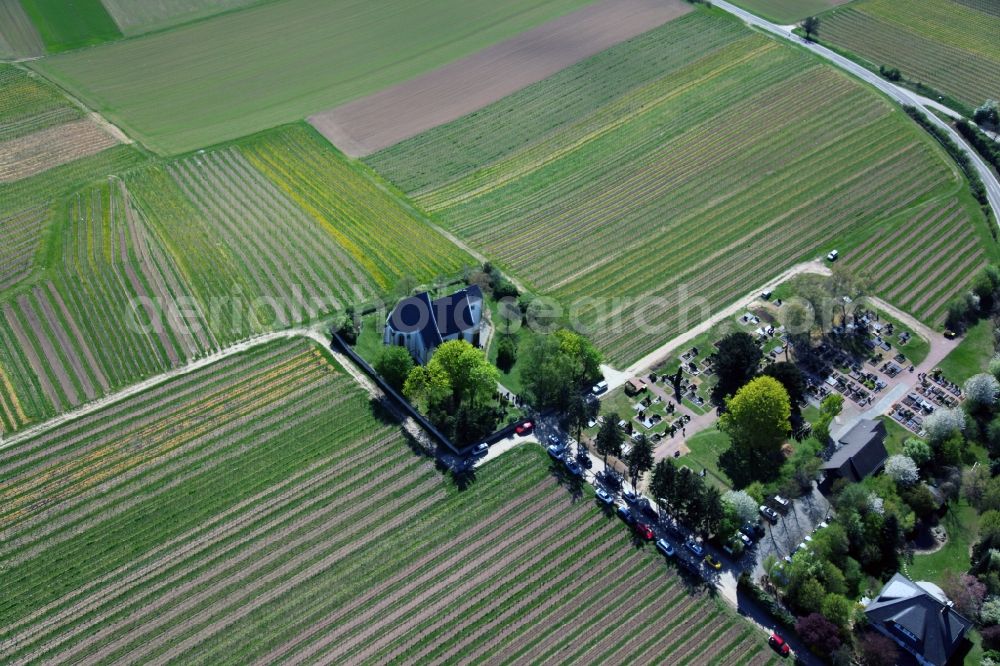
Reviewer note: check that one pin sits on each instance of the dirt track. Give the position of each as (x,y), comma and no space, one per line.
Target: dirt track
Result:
(371,123)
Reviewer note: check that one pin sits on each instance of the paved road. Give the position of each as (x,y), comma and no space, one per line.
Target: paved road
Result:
(897,93)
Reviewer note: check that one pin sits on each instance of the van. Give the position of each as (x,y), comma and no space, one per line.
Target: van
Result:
(600,387)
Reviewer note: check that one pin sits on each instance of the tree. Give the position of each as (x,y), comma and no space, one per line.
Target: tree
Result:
(743,505)
(828,410)
(610,438)
(639,459)
(987,114)
(966,592)
(981,392)
(662,483)
(811,26)
(394,364)
(791,378)
(944,423)
(756,420)
(920,499)
(989,613)
(555,367)
(818,633)
(845,286)
(709,511)
(458,385)
(878,650)
(838,609)
(506,353)
(995,366)
(736,363)
(918,450)
(902,470)
(975,481)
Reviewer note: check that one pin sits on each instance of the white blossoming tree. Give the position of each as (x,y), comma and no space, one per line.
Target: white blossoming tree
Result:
(902,470)
(944,423)
(982,390)
(743,505)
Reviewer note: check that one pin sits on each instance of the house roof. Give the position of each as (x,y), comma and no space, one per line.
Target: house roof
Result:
(920,616)
(863,448)
(416,313)
(453,314)
(435,320)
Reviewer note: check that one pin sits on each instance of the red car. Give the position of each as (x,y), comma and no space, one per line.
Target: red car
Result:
(524,428)
(645,531)
(779,645)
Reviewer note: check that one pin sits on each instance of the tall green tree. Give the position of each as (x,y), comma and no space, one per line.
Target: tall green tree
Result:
(394,364)
(757,422)
(639,459)
(555,367)
(610,438)
(736,361)
(662,483)
(811,26)
(457,390)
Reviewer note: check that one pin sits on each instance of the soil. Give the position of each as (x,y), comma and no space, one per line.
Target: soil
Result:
(378,121)
(47,148)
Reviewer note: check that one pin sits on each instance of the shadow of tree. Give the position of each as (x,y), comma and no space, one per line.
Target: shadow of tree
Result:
(572,483)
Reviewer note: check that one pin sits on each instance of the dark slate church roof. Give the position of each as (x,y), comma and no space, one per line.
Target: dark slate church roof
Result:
(436,320)
(862,447)
(920,616)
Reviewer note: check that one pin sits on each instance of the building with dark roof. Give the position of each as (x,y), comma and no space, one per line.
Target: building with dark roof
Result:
(919,618)
(860,454)
(421,325)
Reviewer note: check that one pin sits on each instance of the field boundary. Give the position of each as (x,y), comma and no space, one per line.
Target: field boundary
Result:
(385,118)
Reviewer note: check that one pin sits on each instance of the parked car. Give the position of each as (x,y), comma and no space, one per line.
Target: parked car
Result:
(524,428)
(572,467)
(832,256)
(769,513)
(604,497)
(481,449)
(556,451)
(599,388)
(648,509)
(753,530)
(664,547)
(645,531)
(712,562)
(625,514)
(782,502)
(779,644)
(555,440)
(695,547)
(747,541)
(584,460)
(630,497)
(674,530)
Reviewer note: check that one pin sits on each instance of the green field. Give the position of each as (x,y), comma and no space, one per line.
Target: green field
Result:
(950,46)
(70,24)
(18,36)
(135,17)
(921,260)
(786,12)
(28,103)
(118,267)
(260,510)
(201,84)
(650,181)
(972,355)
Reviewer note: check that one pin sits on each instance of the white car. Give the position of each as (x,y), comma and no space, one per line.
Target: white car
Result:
(832,256)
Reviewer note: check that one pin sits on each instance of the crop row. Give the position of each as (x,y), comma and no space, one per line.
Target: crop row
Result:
(445,153)
(968,76)
(654,198)
(29,104)
(925,261)
(21,232)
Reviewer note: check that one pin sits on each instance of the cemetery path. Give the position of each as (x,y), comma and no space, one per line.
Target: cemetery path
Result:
(659,355)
